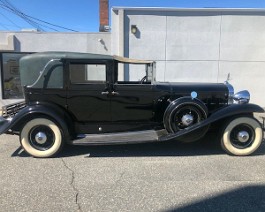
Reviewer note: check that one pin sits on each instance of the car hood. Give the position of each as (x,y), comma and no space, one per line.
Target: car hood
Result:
(180,87)
(204,90)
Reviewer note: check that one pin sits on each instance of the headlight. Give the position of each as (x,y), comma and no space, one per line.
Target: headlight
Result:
(241,97)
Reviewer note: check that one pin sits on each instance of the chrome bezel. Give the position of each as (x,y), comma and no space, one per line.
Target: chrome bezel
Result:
(230,92)
(242,97)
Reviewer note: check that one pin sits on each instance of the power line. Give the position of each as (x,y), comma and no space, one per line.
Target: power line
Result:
(17,12)
(52,24)
(35,22)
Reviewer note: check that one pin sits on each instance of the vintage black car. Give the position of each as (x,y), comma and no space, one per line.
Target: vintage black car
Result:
(83,99)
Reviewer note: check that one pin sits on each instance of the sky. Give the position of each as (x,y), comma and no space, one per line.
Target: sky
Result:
(83,15)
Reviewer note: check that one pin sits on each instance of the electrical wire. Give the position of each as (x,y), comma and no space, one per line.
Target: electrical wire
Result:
(17,12)
(35,22)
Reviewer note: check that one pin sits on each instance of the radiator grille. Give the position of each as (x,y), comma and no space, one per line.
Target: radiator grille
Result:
(12,109)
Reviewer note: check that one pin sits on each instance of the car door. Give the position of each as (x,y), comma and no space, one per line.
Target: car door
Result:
(88,86)
(132,102)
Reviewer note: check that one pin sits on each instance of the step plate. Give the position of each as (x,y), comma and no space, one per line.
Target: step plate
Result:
(119,138)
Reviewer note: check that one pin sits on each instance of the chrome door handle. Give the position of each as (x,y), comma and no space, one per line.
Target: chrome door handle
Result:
(104,92)
(114,93)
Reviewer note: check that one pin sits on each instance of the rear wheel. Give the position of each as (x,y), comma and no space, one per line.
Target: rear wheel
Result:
(41,137)
(242,136)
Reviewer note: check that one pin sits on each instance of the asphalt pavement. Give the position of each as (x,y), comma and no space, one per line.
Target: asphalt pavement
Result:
(143,177)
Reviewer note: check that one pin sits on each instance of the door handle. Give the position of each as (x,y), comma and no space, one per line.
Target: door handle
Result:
(114,93)
(105,93)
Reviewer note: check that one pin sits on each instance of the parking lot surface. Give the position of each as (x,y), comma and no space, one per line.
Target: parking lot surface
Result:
(143,177)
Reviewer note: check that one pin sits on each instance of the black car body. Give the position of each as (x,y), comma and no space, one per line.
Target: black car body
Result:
(78,98)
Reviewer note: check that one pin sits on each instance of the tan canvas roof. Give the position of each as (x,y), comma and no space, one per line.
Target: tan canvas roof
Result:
(129,60)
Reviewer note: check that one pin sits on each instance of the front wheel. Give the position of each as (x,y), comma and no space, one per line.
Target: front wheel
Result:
(242,136)
(41,137)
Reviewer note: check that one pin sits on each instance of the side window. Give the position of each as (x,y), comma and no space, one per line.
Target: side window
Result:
(54,78)
(133,74)
(87,73)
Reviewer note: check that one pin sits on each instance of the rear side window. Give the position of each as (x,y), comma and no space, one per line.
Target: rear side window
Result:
(54,78)
(87,73)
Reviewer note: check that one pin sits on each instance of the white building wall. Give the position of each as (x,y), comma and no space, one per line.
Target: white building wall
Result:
(199,45)
(44,41)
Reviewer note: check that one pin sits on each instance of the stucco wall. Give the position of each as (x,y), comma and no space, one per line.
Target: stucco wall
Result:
(201,45)
(76,42)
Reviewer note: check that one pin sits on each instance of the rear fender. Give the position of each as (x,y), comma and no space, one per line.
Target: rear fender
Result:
(228,111)
(56,113)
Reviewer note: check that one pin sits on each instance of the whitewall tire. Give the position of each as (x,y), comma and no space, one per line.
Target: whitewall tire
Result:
(41,137)
(242,136)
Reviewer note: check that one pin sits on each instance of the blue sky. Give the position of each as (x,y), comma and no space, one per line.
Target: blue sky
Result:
(83,16)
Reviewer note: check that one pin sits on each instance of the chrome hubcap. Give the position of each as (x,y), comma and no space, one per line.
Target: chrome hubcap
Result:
(187,120)
(243,136)
(40,138)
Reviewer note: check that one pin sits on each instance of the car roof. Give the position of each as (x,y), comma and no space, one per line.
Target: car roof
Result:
(77,55)
(66,55)
(31,65)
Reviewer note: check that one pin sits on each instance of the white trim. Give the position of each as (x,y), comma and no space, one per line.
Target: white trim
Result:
(166,9)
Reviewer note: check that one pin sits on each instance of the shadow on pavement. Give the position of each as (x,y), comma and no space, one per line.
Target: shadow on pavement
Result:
(247,198)
(209,145)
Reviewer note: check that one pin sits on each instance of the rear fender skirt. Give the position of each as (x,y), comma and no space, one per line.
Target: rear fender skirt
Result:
(55,112)
(228,111)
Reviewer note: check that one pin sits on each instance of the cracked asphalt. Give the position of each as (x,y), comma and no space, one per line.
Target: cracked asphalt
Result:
(143,177)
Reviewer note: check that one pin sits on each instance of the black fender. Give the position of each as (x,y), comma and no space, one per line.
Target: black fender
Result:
(55,112)
(174,105)
(225,112)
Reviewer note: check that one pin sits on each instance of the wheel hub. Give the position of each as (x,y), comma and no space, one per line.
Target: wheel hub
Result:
(187,120)
(40,138)
(243,136)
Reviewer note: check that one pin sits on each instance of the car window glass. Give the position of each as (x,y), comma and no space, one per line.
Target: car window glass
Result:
(87,73)
(54,78)
(132,74)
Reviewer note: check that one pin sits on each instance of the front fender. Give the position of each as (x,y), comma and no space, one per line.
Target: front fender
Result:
(4,125)
(52,111)
(228,111)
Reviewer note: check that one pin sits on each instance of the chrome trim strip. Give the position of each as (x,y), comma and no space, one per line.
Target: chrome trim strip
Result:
(231,92)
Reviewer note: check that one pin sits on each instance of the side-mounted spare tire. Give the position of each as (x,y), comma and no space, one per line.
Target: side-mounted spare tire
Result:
(183,113)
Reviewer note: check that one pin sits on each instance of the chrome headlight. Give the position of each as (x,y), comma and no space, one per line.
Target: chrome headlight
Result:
(241,97)
(231,92)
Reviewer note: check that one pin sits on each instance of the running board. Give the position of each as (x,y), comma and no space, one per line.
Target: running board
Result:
(119,138)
